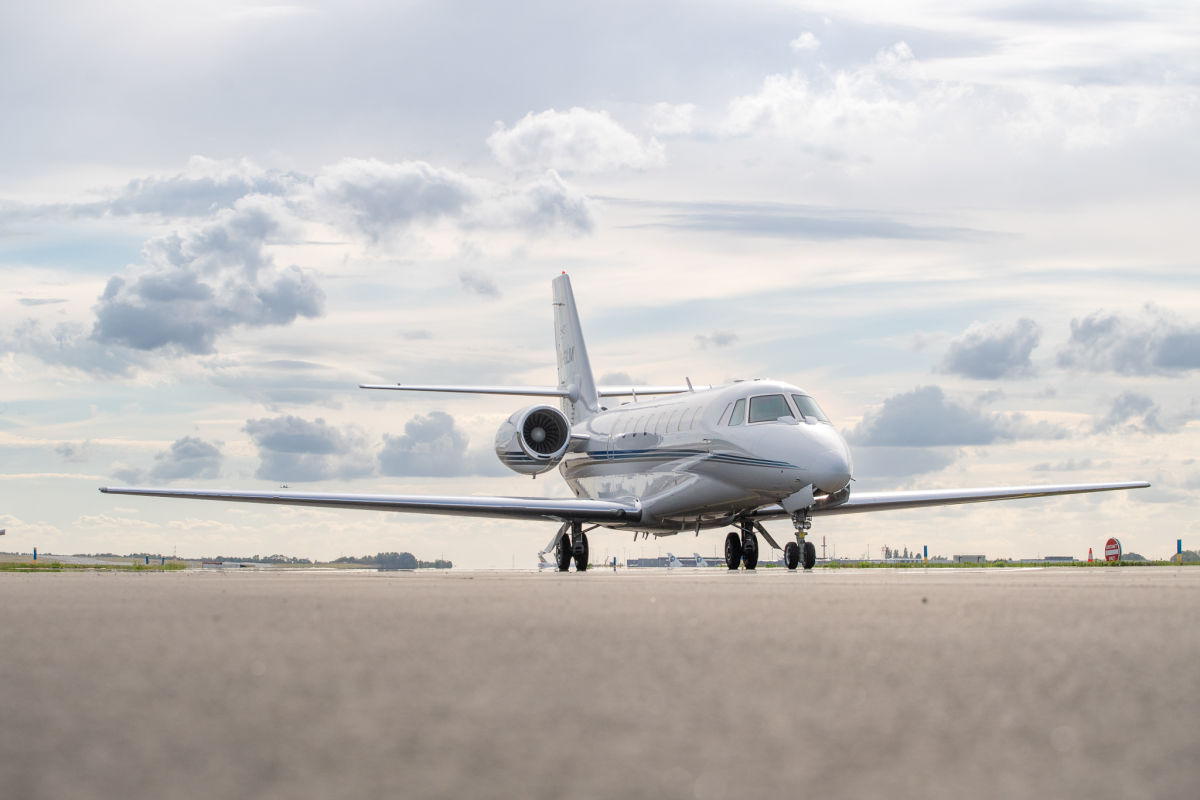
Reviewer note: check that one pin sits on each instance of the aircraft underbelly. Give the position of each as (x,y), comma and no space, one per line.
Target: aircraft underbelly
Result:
(675,493)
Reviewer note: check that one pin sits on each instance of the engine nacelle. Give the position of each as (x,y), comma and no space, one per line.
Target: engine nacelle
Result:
(533,440)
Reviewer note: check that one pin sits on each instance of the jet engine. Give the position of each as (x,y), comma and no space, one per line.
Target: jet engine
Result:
(533,440)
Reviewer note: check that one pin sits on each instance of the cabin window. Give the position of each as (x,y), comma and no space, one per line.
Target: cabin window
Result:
(769,407)
(739,412)
(809,408)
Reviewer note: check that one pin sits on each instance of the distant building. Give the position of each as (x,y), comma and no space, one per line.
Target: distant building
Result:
(970,559)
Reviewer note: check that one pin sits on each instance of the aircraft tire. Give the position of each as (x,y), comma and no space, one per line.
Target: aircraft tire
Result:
(791,555)
(562,553)
(810,555)
(581,555)
(750,551)
(733,550)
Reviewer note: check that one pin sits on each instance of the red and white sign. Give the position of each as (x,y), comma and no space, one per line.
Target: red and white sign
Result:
(1112,550)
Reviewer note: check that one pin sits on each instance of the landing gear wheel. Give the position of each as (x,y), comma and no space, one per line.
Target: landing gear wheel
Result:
(581,553)
(810,555)
(733,550)
(750,551)
(791,555)
(562,553)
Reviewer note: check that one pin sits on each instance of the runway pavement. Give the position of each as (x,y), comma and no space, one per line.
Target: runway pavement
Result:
(839,683)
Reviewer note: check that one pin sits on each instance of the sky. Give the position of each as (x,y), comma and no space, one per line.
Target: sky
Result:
(967,228)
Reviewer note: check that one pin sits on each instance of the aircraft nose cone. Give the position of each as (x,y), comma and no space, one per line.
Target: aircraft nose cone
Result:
(833,469)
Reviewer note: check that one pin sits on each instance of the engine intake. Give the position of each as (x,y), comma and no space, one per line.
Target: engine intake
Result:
(533,440)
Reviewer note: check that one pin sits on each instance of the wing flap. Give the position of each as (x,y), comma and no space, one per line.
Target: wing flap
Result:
(923,498)
(561,510)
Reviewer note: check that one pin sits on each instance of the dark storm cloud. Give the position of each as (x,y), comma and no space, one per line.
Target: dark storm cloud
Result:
(1155,344)
(991,352)
(188,457)
(294,449)
(199,285)
(925,417)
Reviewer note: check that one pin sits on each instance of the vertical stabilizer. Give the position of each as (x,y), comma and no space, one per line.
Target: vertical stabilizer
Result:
(574,369)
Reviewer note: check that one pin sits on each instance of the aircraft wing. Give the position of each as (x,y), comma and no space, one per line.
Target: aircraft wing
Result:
(560,510)
(921,498)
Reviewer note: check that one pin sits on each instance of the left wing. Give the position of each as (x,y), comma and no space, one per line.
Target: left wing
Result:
(887,501)
(563,510)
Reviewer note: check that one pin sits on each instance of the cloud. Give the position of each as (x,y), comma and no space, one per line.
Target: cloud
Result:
(203,283)
(991,351)
(188,457)
(716,339)
(804,42)
(1156,344)
(70,344)
(1071,465)
(40,301)
(925,417)
(875,464)
(295,449)
(477,283)
(667,119)
(431,445)
(617,379)
(205,187)
(542,204)
(788,221)
(74,453)
(379,198)
(577,140)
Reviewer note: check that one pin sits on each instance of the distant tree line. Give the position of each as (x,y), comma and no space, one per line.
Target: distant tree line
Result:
(271,559)
(394,561)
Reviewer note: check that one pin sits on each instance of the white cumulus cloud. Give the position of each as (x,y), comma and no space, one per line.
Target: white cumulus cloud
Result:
(578,140)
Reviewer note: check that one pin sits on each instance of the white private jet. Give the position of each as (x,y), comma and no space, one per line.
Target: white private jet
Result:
(696,458)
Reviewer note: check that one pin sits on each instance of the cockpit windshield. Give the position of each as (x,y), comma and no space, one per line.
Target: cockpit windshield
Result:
(809,408)
(769,407)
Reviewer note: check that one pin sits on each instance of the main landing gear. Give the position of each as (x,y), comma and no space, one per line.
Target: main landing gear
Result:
(743,548)
(572,546)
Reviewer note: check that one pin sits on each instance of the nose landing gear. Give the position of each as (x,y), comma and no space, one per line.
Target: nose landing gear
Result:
(800,551)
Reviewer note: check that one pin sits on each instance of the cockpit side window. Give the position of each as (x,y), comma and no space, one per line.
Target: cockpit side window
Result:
(769,407)
(809,408)
(739,413)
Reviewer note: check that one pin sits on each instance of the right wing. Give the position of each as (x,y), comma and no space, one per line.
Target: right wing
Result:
(921,498)
(559,510)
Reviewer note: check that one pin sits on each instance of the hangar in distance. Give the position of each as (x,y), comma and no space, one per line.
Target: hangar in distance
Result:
(692,459)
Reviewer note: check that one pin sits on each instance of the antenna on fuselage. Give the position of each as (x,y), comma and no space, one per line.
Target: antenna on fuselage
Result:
(689,383)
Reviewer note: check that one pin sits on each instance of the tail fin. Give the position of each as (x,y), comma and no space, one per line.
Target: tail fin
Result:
(574,369)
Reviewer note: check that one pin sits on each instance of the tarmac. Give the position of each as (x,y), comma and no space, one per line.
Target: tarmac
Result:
(684,684)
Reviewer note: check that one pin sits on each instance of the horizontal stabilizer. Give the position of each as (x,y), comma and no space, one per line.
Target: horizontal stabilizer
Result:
(527,391)
(498,507)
